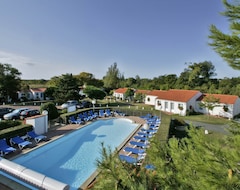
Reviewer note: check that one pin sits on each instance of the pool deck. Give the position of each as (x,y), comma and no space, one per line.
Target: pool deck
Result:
(57,132)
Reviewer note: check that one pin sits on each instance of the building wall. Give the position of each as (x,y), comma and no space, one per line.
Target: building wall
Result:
(233,110)
(118,95)
(171,106)
(150,100)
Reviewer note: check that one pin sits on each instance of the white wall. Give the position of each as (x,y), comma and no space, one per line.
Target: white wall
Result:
(39,123)
(150,100)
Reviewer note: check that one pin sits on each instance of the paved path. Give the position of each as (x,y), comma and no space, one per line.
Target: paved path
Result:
(211,127)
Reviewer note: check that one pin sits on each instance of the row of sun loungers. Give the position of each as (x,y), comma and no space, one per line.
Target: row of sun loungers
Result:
(84,117)
(140,142)
(20,142)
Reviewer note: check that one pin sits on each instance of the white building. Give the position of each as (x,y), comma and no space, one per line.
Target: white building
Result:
(173,101)
(32,94)
(227,106)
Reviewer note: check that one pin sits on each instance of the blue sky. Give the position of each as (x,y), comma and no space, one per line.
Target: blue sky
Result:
(149,38)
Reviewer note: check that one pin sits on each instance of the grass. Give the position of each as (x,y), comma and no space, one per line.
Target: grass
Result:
(205,119)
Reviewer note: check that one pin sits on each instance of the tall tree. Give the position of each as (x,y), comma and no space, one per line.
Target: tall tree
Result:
(209,102)
(113,77)
(93,92)
(10,82)
(66,89)
(227,45)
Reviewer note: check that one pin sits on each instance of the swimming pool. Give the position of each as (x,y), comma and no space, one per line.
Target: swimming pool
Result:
(72,158)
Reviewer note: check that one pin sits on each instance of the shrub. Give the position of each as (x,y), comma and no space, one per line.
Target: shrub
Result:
(52,110)
(8,124)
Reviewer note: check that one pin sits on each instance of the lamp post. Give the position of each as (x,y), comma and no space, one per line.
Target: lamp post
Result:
(160,112)
(93,103)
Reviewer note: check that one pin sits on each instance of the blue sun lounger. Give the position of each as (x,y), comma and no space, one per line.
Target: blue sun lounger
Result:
(131,160)
(72,120)
(36,137)
(135,150)
(20,142)
(151,131)
(5,148)
(140,138)
(143,134)
(139,144)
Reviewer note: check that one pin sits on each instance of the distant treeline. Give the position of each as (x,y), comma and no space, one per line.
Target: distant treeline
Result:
(197,76)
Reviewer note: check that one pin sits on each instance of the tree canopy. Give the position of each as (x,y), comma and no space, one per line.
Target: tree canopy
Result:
(227,45)
(66,88)
(10,82)
(113,77)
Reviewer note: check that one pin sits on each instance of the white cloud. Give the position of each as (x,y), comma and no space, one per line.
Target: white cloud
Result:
(33,69)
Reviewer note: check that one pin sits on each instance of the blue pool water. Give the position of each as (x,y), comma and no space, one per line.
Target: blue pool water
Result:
(72,158)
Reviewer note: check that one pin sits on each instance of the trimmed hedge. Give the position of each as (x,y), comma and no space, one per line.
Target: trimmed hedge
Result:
(5,124)
(19,130)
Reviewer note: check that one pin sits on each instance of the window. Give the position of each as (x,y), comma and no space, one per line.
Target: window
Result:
(148,99)
(180,106)
(159,103)
(166,105)
(172,105)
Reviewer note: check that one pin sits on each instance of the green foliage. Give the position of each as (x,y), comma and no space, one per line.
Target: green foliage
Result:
(188,163)
(116,174)
(9,123)
(9,82)
(52,110)
(93,92)
(227,45)
(129,94)
(18,130)
(139,97)
(113,77)
(209,102)
(66,89)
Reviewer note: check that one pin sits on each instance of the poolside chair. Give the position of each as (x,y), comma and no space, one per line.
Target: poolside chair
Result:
(135,150)
(20,142)
(88,117)
(101,113)
(143,134)
(36,137)
(94,115)
(139,144)
(108,112)
(5,148)
(82,118)
(140,138)
(72,120)
(131,160)
(150,131)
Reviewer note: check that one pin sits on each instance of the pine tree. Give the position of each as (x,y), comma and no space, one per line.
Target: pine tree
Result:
(228,45)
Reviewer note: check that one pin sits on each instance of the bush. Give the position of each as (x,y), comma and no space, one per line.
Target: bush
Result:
(52,110)
(19,130)
(8,124)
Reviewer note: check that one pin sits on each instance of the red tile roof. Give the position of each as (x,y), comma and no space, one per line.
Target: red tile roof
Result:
(142,91)
(38,89)
(223,98)
(121,90)
(174,94)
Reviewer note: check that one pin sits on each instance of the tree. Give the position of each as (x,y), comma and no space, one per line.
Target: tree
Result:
(94,93)
(51,108)
(209,102)
(113,77)
(66,89)
(85,78)
(192,163)
(129,94)
(227,45)
(10,82)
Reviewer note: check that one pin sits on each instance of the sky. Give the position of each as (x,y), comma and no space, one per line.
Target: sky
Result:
(148,38)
